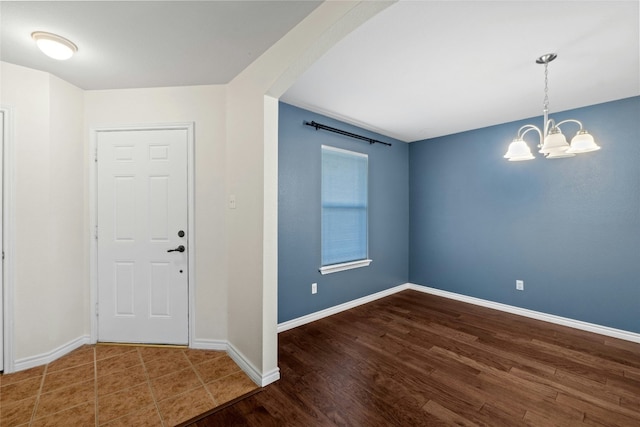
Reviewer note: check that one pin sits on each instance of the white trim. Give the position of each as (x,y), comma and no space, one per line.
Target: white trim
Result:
(294,323)
(206,344)
(270,377)
(256,376)
(8,238)
(551,318)
(244,364)
(93,215)
(342,150)
(50,356)
(334,268)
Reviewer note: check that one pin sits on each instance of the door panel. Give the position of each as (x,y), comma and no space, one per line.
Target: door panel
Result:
(142,204)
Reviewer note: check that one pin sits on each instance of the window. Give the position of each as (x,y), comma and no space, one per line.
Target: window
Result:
(344,210)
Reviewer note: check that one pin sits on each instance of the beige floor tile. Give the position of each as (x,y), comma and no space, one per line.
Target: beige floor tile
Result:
(118,363)
(186,406)
(171,362)
(7,379)
(124,402)
(154,352)
(79,416)
(121,380)
(19,391)
(17,413)
(65,398)
(107,351)
(231,387)
(175,383)
(147,417)
(66,377)
(127,378)
(215,369)
(79,356)
(199,356)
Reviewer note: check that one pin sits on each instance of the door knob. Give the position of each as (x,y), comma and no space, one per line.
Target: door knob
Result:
(178,249)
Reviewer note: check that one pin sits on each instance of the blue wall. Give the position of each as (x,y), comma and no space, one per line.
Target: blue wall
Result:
(299,159)
(570,228)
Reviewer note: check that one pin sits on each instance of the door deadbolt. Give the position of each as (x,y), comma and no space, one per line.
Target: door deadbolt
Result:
(180,233)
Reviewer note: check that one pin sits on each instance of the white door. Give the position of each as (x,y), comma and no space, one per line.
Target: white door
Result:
(142,225)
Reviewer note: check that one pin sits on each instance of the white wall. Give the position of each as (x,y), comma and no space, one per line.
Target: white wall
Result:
(252,165)
(50,299)
(204,105)
(236,153)
(68,230)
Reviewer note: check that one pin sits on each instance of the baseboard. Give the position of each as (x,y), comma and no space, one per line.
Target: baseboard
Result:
(206,344)
(551,318)
(255,375)
(43,359)
(312,317)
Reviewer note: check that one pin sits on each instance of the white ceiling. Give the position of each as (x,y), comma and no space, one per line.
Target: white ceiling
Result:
(135,44)
(417,70)
(421,69)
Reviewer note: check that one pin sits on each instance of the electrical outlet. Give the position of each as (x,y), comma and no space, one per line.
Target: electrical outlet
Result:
(314,288)
(520,285)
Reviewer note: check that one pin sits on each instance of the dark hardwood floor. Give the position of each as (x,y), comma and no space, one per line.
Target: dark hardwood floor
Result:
(414,359)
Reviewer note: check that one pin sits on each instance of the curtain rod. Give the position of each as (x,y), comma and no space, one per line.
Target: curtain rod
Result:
(345,133)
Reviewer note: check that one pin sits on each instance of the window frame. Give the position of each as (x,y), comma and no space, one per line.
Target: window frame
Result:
(346,265)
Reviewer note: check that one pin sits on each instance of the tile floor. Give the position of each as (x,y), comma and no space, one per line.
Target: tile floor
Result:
(110,385)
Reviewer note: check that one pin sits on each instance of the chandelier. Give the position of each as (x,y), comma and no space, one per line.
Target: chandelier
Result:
(553,144)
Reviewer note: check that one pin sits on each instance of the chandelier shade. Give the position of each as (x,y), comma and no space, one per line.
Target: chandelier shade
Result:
(583,142)
(518,151)
(552,143)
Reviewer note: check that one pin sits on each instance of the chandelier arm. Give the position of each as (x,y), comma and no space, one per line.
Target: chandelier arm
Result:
(548,125)
(526,129)
(572,121)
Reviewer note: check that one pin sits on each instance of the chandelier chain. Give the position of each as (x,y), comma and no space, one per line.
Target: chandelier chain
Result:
(546,87)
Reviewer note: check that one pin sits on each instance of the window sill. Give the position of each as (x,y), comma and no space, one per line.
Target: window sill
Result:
(334,268)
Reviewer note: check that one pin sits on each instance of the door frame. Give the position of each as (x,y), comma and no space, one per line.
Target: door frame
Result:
(93,216)
(7,203)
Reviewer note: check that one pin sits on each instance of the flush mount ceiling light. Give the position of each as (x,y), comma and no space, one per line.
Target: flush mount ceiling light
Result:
(53,45)
(553,144)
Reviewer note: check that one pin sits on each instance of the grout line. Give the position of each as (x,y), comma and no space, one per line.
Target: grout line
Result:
(193,367)
(35,404)
(153,395)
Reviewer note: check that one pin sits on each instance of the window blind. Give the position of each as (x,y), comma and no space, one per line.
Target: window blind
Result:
(344,205)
